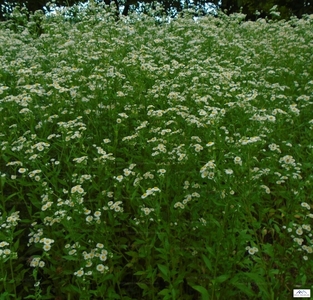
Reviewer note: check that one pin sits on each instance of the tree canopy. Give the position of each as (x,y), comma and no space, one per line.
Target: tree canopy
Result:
(251,8)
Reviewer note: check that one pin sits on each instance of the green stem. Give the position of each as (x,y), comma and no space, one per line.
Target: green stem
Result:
(264,266)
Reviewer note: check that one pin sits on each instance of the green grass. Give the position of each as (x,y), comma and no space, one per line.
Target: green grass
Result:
(145,161)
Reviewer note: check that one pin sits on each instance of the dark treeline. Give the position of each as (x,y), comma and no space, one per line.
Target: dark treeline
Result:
(286,8)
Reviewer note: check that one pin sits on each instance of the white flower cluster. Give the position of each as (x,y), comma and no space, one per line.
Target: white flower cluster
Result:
(289,163)
(186,200)
(98,255)
(146,210)
(11,220)
(81,159)
(5,253)
(206,170)
(96,216)
(77,189)
(41,146)
(47,243)
(105,156)
(287,160)
(150,191)
(114,205)
(36,262)
(252,250)
(301,234)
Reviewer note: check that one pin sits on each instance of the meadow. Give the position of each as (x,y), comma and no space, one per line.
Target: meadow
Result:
(143,159)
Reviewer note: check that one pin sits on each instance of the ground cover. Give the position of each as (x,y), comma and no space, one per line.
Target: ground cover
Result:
(142,160)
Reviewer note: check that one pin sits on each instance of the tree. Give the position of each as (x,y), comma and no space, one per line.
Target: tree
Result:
(286,8)
(31,5)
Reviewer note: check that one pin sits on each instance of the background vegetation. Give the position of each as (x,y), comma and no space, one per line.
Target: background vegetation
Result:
(253,9)
(147,159)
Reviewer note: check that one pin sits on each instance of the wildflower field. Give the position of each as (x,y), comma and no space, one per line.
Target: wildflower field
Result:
(143,159)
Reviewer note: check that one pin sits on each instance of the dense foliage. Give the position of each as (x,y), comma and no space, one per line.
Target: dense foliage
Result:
(251,8)
(156,160)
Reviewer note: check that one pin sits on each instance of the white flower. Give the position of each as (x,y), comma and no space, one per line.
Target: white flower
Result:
(307,206)
(89,219)
(237,160)
(306,227)
(161,171)
(100,268)
(87,211)
(41,264)
(88,263)
(119,178)
(46,247)
(6,251)
(103,257)
(97,214)
(198,147)
(299,231)
(117,209)
(127,172)
(79,273)
(271,118)
(2,244)
(37,284)
(35,262)
(71,252)
(99,245)
(229,171)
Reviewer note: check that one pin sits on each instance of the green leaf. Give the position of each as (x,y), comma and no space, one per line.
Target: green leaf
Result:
(164,292)
(62,181)
(112,294)
(71,288)
(70,257)
(16,244)
(142,286)
(2,181)
(140,273)
(260,282)
(207,262)
(303,279)
(139,242)
(132,253)
(222,278)
(258,279)
(244,288)
(16,233)
(277,228)
(179,280)
(151,272)
(274,271)
(161,250)
(28,297)
(268,249)
(210,250)
(164,270)
(203,291)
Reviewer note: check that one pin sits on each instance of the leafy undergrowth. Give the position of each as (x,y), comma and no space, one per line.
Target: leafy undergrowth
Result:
(144,160)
